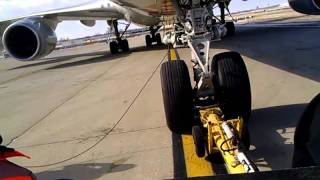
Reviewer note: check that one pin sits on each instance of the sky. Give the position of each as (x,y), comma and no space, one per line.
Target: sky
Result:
(74,29)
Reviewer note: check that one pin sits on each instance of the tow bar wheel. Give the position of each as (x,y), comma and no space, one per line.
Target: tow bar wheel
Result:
(199,142)
(177,96)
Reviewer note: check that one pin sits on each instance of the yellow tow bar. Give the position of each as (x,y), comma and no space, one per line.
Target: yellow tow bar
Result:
(223,137)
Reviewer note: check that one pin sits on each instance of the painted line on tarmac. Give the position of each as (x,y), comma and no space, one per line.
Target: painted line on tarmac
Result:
(195,166)
(173,54)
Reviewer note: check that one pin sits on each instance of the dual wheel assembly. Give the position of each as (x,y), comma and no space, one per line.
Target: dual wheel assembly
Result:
(153,38)
(120,44)
(232,95)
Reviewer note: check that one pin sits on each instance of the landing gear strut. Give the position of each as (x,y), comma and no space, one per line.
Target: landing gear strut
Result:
(228,25)
(153,37)
(119,43)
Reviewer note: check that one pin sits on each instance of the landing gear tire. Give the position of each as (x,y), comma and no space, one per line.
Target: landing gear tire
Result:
(113,47)
(230,28)
(197,134)
(158,38)
(125,45)
(177,96)
(232,88)
(148,41)
(232,85)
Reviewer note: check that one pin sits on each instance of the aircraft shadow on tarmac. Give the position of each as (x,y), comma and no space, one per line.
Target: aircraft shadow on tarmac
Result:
(294,50)
(93,57)
(84,171)
(269,128)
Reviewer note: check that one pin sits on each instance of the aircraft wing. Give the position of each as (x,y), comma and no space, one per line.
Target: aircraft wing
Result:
(96,10)
(87,13)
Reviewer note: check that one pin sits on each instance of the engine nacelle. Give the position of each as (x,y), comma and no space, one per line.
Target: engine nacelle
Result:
(311,7)
(29,38)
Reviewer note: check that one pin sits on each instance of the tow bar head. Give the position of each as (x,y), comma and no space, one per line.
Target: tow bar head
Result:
(224,137)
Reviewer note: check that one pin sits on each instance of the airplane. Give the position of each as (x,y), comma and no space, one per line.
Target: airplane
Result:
(31,37)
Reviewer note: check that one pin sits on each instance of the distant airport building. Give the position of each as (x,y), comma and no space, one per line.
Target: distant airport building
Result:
(68,43)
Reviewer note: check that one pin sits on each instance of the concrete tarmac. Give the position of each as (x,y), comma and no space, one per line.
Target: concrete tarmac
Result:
(82,113)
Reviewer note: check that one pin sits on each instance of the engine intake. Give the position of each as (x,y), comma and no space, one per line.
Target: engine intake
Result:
(28,39)
(311,7)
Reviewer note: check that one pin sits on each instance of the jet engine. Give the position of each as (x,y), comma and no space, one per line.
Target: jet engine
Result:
(29,38)
(311,7)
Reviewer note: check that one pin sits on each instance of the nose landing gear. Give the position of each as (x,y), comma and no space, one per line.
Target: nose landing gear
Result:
(217,109)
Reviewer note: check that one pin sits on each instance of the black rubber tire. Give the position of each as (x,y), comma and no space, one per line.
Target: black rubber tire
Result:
(232,85)
(231,30)
(245,138)
(184,4)
(301,153)
(177,96)
(125,45)
(158,38)
(198,138)
(113,47)
(148,41)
